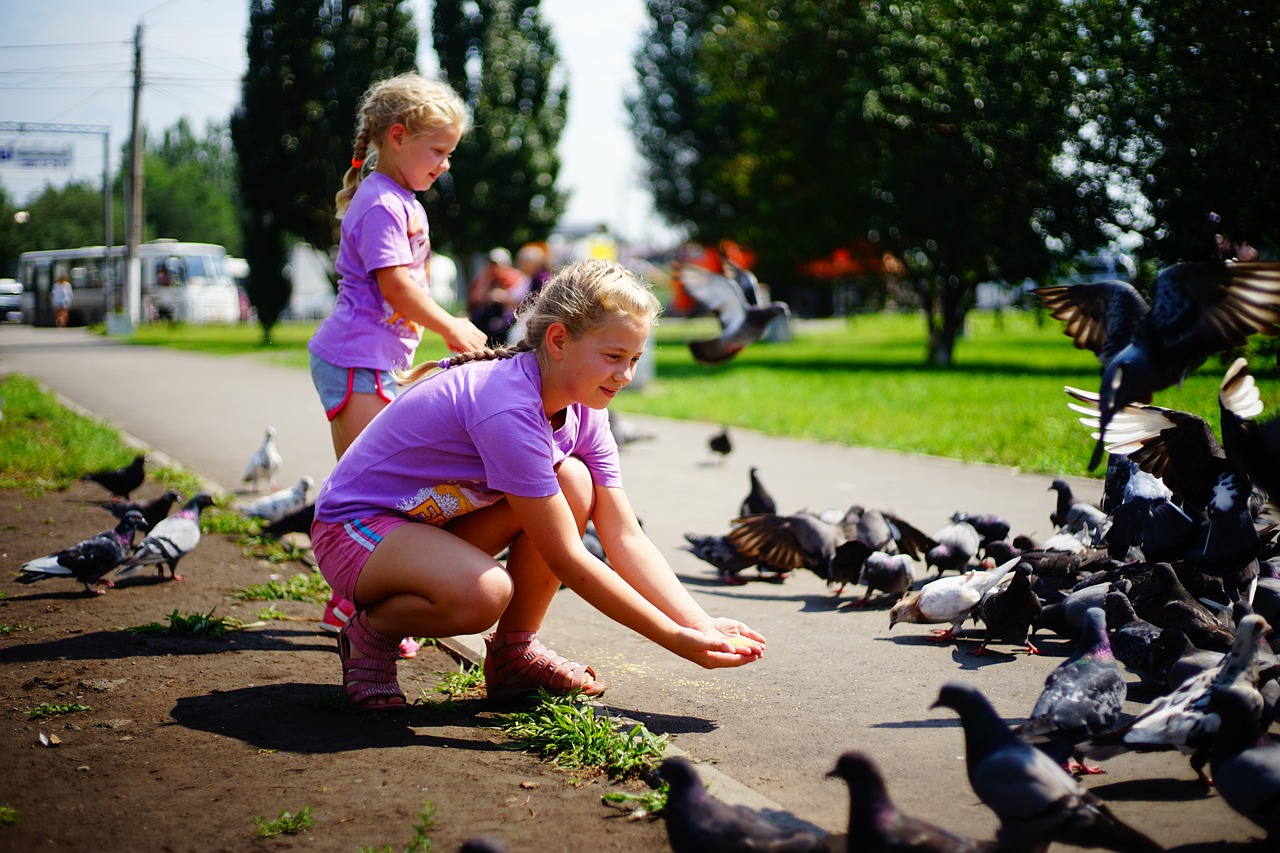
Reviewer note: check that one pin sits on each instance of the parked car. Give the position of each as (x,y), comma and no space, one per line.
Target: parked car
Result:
(10,300)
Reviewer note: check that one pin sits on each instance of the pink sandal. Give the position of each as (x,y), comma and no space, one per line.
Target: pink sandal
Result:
(369,665)
(521,664)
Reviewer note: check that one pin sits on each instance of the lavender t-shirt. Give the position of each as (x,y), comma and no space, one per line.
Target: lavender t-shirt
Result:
(461,439)
(385,226)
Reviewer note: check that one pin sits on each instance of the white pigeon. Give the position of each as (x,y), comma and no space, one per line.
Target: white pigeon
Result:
(278,504)
(949,599)
(169,541)
(265,463)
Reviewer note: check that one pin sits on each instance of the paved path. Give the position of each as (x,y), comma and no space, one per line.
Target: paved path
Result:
(834,678)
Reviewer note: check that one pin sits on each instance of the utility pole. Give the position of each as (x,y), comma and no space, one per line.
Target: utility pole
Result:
(134,214)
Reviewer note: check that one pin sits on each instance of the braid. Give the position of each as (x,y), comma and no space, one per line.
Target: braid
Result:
(408,377)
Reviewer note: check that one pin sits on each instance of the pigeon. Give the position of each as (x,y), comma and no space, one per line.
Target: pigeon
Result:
(1082,697)
(1180,660)
(591,540)
(121,481)
(1253,447)
(482,845)
(876,825)
(949,599)
(1037,801)
(1147,519)
(883,530)
(1067,617)
(698,823)
(90,560)
(169,541)
(295,521)
(758,501)
(625,432)
(1168,604)
(894,574)
(954,546)
(800,541)
(1198,309)
(741,322)
(1246,763)
(276,505)
(991,528)
(1072,515)
(721,553)
(153,511)
(1010,608)
(265,462)
(1181,719)
(1133,639)
(720,444)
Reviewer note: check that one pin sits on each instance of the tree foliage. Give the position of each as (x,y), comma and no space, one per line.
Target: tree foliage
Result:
(309,63)
(191,191)
(501,185)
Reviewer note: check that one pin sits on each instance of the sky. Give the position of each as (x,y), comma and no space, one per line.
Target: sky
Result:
(70,62)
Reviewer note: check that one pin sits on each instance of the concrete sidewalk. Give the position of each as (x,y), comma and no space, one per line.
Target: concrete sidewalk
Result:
(834,678)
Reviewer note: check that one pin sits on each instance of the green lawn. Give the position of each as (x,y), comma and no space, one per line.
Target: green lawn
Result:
(858,381)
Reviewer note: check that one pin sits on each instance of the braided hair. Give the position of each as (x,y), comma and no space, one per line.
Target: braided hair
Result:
(582,295)
(416,102)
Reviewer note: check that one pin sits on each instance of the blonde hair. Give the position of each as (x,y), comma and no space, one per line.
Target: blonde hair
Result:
(583,296)
(410,99)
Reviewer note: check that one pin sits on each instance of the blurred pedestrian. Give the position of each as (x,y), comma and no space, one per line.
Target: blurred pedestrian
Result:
(61,299)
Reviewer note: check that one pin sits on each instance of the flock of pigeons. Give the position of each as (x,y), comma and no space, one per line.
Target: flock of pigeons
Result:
(169,537)
(1174,578)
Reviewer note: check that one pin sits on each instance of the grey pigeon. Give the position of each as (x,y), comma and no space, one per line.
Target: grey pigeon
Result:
(169,541)
(1198,309)
(153,511)
(1134,640)
(1181,660)
(800,541)
(1072,515)
(876,825)
(1246,763)
(295,521)
(955,545)
(121,481)
(1010,610)
(1147,519)
(698,823)
(992,528)
(265,462)
(89,560)
(758,500)
(1082,697)
(720,552)
(734,299)
(1036,800)
(276,505)
(624,431)
(889,573)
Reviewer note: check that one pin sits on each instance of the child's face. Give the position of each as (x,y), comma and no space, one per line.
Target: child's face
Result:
(418,159)
(603,362)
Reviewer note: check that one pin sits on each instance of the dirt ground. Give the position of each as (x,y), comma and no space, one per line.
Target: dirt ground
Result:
(189,739)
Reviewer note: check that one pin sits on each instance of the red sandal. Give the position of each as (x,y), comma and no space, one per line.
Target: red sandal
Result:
(521,664)
(369,665)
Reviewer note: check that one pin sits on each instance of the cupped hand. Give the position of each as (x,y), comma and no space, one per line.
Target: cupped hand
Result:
(720,642)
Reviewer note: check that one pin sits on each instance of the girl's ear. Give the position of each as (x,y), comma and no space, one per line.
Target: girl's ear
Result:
(557,338)
(397,134)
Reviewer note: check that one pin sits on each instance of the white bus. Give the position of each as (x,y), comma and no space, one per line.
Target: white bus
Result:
(180,282)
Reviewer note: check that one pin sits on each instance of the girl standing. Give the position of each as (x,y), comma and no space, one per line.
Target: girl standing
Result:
(507,448)
(408,127)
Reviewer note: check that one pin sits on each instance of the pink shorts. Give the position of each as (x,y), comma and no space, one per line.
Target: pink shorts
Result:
(343,547)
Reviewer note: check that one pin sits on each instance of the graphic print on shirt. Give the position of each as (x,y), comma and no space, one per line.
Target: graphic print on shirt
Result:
(437,504)
(420,248)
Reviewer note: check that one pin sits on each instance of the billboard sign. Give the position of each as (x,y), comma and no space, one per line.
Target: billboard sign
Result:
(26,154)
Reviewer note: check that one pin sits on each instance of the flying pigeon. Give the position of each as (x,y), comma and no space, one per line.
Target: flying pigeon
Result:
(169,541)
(1246,763)
(121,481)
(1036,800)
(276,505)
(1253,447)
(949,599)
(741,322)
(1147,519)
(265,462)
(758,501)
(720,444)
(875,824)
(800,541)
(90,560)
(154,510)
(1082,697)
(1199,308)
(698,823)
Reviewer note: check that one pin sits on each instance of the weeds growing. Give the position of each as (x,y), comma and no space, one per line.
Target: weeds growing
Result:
(300,587)
(9,816)
(420,843)
(48,710)
(191,625)
(457,684)
(567,731)
(288,823)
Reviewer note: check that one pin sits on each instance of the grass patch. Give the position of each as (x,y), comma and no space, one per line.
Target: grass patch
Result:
(272,550)
(458,684)
(300,587)
(49,710)
(420,842)
(288,823)
(645,804)
(567,731)
(7,630)
(191,625)
(9,816)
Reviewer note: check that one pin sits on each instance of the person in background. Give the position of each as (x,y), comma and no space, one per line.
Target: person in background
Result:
(60,297)
(533,261)
(407,128)
(494,294)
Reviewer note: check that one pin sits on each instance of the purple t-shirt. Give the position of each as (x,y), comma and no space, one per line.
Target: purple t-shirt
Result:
(461,439)
(385,226)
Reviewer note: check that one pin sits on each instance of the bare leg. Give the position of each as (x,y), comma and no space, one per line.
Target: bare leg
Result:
(352,419)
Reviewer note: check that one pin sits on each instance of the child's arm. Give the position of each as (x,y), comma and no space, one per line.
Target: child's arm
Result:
(643,594)
(414,303)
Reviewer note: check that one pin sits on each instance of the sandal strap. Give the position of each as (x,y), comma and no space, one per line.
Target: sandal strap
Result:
(523,664)
(368,663)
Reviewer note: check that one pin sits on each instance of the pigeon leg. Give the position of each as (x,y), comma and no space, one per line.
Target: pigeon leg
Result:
(862,602)
(730,579)
(1198,762)
(981,650)
(89,590)
(941,635)
(1082,768)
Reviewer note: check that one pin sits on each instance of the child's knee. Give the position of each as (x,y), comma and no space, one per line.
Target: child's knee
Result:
(488,599)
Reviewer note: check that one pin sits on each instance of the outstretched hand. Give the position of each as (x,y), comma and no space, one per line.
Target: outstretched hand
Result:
(720,642)
(463,336)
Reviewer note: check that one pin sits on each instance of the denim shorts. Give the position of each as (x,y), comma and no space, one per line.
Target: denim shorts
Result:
(337,384)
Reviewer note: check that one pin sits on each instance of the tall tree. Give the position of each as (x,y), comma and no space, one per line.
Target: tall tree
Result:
(501,185)
(191,190)
(309,63)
